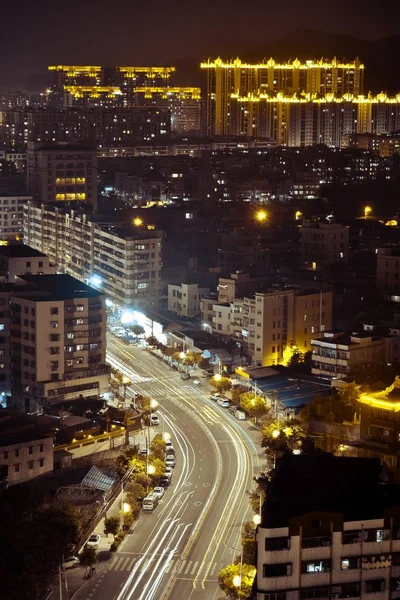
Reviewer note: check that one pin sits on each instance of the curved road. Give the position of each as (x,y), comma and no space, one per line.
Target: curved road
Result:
(178,550)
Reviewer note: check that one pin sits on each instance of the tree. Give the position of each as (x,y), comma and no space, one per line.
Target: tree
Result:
(328,409)
(237,391)
(204,364)
(146,405)
(282,437)
(349,395)
(111,525)
(227,577)
(88,556)
(221,385)
(152,341)
(169,351)
(158,466)
(137,329)
(158,446)
(249,550)
(254,405)
(135,492)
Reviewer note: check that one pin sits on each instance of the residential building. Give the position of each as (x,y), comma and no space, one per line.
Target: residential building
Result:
(18,259)
(58,341)
(184,299)
(340,355)
(60,172)
(268,323)
(26,447)
(240,284)
(124,262)
(12,216)
(388,271)
(330,529)
(323,244)
(223,80)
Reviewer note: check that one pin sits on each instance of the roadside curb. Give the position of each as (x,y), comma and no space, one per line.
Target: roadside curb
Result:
(98,574)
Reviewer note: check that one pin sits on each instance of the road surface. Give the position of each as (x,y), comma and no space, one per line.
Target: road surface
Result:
(178,550)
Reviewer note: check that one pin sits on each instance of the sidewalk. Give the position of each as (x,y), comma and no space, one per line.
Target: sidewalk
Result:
(74,579)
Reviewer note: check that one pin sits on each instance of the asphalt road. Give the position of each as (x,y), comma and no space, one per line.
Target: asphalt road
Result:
(178,550)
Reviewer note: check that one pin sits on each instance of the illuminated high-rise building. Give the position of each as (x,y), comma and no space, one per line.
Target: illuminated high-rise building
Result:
(222,79)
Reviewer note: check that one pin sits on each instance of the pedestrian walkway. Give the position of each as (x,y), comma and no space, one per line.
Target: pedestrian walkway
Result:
(185,568)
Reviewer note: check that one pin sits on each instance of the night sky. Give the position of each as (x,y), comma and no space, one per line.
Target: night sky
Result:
(36,33)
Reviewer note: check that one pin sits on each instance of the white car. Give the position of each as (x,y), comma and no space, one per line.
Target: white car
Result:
(71,562)
(224,402)
(215,396)
(154,420)
(170,461)
(93,541)
(169,444)
(159,492)
(168,471)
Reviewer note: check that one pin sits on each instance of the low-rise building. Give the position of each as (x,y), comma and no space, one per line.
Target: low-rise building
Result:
(19,259)
(184,299)
(341,355)
(26,447)
(330,529)
(388,271)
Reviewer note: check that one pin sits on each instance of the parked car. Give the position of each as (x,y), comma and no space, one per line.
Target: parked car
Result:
(93,541)
(224,402)
(170,460)
(215,396)
(196,381)
(240,415)
(158,491)
(143,451)
(185,375)
(71,562)
(165,481)
(154,420)
(168,444)
(168,471)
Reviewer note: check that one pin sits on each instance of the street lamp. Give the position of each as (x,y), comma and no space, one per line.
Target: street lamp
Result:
(218,377)
(367,211)
(257,519)
(276,433)
(138,222)
(261,216)
(237,580)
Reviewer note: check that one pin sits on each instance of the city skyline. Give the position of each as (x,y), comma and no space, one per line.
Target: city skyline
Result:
(174,34)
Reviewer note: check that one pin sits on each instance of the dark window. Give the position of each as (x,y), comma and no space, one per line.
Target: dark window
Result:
(30,464)
(275,596)
(30,449)
(350,590)
(16,453)
(54,310)
(321,592)
(278,543)
(351,537)
(28,264)
(41,447)
(16,468)
(41,462)
(277,570)
(315,542)
(375,585)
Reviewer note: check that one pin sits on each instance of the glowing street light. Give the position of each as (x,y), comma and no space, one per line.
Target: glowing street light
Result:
(237,581)
(257,519)
(182,355)
(137,221)
(126,507)
(261,216)
(218,377)
(151,470)
(153,404)
(166,436)
(276,433)
(367,211)
(298,214)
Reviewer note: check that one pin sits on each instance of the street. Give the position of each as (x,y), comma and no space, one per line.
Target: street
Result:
(178,550)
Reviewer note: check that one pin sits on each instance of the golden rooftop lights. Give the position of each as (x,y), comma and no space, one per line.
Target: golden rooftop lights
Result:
(148,91)
(271,64)
(150,71)
(94,91)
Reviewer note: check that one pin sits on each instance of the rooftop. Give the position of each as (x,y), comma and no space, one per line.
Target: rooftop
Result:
(17,428)
(57,287)
(325,483)
(20,251)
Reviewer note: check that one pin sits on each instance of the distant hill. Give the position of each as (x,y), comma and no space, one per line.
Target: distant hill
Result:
(380,56)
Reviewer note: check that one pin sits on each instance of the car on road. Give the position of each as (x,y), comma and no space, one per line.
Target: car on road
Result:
(71,562)
(224,402)
(169,444)
(170,461)
(168,471)
(165,481)
(185,375)
(159,492)
(240,415)
(196,381)
(93,541)
(215,396)
(150,502)
(154,420)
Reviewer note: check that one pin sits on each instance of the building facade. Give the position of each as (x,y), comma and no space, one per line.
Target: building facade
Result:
(184,299)
(323,244)
(26,449)
(338,355)
(62,173)
(388,271)
(58,341)
(328,543)
(12,216)
(124,262)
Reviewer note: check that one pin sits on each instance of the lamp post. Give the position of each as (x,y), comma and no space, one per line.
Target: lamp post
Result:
(237,580)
